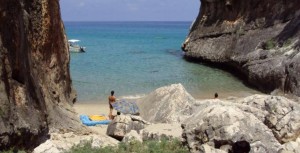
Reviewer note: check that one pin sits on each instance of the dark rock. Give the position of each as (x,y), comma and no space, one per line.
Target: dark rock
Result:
(259,39)
(35,86)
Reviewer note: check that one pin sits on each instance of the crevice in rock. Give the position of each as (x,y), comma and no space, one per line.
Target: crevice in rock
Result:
(220,143)
(214,35)
(241,147)
(273,127)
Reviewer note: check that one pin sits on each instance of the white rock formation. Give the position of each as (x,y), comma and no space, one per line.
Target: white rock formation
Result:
(169,104)
(59,143)
(225,125)
(276,118)
(261,123)
(123,124)
(132,136)
(292,146)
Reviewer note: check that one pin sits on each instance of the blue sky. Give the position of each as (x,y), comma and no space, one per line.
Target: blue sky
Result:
(129,10)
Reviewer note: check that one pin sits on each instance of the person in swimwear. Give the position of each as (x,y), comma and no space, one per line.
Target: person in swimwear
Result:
(111,99)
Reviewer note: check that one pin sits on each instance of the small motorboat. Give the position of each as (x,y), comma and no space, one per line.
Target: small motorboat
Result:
(75,47)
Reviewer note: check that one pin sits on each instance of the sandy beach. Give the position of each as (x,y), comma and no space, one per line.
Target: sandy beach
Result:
(102,108)
(94,108)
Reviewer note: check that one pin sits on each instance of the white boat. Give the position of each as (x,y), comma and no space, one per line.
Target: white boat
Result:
(75,47)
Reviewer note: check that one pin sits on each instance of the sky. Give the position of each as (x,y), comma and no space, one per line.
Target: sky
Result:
(129,10)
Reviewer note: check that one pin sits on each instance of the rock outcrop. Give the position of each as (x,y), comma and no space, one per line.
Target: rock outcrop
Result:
(265,123)
(124,124)
(258,123)
(222,127)
(132,136)
(59,143)
(292,146)
(35,86)
(257,39)
(169,104)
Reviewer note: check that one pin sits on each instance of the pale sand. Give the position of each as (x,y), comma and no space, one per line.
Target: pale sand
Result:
(93,108)
(102,108)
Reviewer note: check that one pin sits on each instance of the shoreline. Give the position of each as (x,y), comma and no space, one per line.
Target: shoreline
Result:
(200,96)
(101,107)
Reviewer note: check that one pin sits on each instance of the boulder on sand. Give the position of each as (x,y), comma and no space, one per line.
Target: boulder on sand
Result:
(169,104)
(123,124)
(132,136)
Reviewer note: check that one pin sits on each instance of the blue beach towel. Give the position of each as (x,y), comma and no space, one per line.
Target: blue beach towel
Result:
(125,107)
(86,121)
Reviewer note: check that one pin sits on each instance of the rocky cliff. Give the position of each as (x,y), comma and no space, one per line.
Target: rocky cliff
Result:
(35,86)
(259,39)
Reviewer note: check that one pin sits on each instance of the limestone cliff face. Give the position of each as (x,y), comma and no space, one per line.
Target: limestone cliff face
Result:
(257,38)
(35,86)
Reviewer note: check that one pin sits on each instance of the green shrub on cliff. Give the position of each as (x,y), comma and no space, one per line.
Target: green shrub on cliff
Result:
(270,44)
(287,42)
(165,146)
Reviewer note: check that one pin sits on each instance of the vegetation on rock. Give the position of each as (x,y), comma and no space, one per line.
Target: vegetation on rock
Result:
(270,44)
(164,146)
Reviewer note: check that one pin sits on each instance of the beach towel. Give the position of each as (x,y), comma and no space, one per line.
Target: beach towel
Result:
(97,117)
(126,107)
(88,122)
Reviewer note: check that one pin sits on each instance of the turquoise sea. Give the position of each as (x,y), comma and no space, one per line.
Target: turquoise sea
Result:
(135,58)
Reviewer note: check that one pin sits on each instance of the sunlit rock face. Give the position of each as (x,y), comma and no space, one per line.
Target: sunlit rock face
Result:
(258,39)
(168,104)
(35,86)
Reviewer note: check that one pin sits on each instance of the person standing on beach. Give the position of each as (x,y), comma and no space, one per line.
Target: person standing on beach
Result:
(216,95)
(111,99)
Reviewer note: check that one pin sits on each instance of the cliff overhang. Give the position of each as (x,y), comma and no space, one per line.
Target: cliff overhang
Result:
(257,38)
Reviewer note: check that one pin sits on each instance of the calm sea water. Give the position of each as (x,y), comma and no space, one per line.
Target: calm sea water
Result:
(135,58)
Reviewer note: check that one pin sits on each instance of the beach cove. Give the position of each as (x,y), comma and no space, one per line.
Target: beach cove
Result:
(258,40)
(135,58)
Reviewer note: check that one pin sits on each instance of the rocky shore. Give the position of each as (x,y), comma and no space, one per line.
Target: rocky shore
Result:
(258,123)
(257,39)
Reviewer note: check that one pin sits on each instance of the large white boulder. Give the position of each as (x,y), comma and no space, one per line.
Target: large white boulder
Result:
(169,104)
(292,146)
(59,143)
(280,114)
(132,136)
(123,124)
(225,127)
